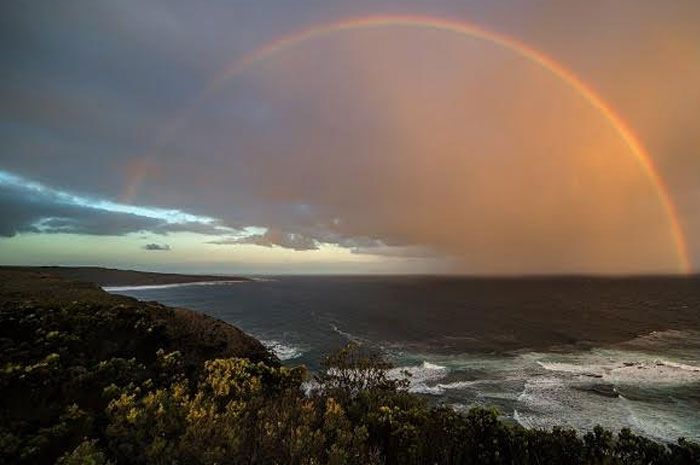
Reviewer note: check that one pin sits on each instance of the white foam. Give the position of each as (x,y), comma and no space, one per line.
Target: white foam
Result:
(283,351)
(420,377)
(440,388)
(658,373)
(681,366)
(660,423)
(169,286)
(425,389)
(570,368)
(543,390)
(521,421)
(562,395)
(546,402)
(432,366)
(345,334)
(460,384)
(628,369)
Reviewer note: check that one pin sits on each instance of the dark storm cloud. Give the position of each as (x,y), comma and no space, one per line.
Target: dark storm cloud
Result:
(161,247)
(21,213)
(26,206)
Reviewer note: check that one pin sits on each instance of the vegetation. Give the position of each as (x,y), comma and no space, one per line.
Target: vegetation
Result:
(113,277)
(89,378)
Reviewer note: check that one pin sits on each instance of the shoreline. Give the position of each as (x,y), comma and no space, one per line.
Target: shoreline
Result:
(173,285)
(111,277)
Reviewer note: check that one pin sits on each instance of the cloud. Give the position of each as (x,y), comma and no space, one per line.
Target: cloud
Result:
(165,247)
(29,206)
(23,213)
(272,238)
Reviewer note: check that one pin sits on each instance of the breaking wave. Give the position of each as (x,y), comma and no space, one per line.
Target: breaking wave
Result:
(149,287)
(350,337)
(283,351)
(650,372)
(420,376)
(611,387)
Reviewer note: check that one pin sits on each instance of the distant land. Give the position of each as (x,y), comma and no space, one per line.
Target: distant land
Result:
(113,277)
(197,335)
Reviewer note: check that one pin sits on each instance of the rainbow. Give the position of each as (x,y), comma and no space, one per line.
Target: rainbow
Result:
(440,24)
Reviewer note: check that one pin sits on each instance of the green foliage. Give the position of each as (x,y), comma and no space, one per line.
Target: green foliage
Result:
(354,370)
(67,349)
(87,453)
(96,383)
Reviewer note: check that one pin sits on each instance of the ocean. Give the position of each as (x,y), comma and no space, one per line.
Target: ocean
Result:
(572,351)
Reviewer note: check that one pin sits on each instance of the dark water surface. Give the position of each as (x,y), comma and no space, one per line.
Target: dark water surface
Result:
(546,351)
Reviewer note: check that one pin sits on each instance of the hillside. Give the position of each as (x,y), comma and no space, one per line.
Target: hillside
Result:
(112,277)
(63,342)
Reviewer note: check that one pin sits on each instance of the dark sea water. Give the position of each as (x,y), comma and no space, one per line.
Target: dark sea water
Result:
(567,351)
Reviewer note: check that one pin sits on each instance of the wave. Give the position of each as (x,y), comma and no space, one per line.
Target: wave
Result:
(546,402)
(168,286)
(644,371)
(432,366)
(282,351)
(350,337)
(420,376)
(578,389)
(520,420)
(660,424)
(681,366)
(440,388)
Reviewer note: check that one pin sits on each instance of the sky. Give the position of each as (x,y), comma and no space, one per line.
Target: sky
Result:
(253,137)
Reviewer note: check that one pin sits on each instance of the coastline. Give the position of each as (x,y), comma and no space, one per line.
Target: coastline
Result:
(111,277)
(197,335)
(169,286)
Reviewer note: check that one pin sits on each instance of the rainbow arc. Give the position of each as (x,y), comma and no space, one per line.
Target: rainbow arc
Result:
(425,22)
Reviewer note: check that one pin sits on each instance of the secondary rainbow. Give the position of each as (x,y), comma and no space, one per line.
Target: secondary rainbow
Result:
(467,29)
